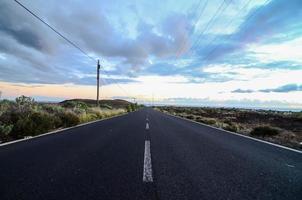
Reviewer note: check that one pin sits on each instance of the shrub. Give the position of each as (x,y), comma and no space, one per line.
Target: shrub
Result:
(88,117)
(25,103)
(24,100)
(106,106)
(5,131)
(231,127)
(6,105)
(210,121)
(129,108)
(54,109)
(75,105)
(69,119)
(190,117)
(264,131)
(35,124)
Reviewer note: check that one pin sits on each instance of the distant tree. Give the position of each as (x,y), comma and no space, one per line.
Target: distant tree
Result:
(129,108)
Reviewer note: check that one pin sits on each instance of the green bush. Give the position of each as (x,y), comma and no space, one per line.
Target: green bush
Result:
(106,106)
(231,127)
(190,117)
(25,101)
(88,117)
(6,105)
(25,117)
(210,121)
(54,109)
(25,104)
(36,123)
(69,119)
(264,131)
(129,108)
(75,105)
(5,131)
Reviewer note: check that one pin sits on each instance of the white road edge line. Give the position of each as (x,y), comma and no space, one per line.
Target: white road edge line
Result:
(147,175)
(245,136)
(147,126)
(57,131)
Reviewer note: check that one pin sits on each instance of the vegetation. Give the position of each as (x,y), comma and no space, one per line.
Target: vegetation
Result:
(133,107)
(26,117)
(264,131)
(275,126)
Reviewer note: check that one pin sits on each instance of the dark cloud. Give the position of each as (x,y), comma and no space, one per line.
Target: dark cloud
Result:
(38,52)
(22,32)
(24,28)
(281,89)
(242,91)
(284,88)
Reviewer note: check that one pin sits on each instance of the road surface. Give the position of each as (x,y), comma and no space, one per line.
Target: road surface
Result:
(148,155)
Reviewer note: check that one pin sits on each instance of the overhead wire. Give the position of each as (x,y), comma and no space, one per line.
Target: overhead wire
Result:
(228,37)
(184,43)
(52,28)
(65,38)
(224,4)
(229,23)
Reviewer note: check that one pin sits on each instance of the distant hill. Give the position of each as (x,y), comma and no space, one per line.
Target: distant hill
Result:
(115,103)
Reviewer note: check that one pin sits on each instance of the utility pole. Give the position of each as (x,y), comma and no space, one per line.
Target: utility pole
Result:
(152,99)
(98,83)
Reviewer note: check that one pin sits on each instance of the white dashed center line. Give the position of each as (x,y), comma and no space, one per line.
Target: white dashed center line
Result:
(147,125)
(147,176)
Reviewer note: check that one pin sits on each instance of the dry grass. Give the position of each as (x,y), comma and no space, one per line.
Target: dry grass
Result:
(25,117)
(287,126)
(98,113)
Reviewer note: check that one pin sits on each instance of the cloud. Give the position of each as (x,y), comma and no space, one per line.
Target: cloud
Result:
(242,91)
(31,44)
(93,30)
(135,40)
(284,88)
(267,23)
(242,103)
(23,28)
(281,89)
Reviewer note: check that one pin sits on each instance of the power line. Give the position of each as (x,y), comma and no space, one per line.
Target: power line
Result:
(65,38)
(57,32)
(224,4)
(193,27)
(230,22)
(127,94)
(248,18)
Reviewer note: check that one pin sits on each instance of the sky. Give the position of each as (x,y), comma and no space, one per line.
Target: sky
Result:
(238,53)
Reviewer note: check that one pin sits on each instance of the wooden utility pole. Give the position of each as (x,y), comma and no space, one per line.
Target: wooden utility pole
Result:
(98,83)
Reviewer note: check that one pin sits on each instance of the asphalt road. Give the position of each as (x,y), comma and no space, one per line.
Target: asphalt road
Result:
(148,155)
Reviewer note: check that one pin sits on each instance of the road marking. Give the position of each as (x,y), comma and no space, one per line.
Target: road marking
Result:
(147,176)
(147,119)
(292,166)
(147,126)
